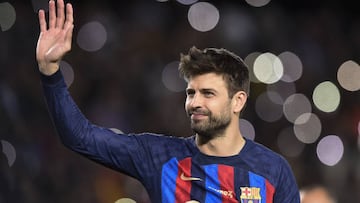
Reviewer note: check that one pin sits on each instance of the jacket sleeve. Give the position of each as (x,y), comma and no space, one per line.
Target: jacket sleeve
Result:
(287,189)
(121,152)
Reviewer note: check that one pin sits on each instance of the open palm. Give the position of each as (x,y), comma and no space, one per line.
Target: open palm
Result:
(55,41)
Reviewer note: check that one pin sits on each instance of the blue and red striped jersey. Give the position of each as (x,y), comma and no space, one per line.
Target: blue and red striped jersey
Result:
(172,169)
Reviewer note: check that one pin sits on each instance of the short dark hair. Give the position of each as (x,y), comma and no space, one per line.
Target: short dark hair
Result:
(219,61)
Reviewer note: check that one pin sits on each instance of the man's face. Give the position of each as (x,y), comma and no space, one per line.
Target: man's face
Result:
(208,104)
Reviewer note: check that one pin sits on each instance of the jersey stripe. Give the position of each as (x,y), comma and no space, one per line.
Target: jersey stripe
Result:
(226,178)
(259,182)
(270,190)
(183,187)
(212,184)
(168,180)
(198,187)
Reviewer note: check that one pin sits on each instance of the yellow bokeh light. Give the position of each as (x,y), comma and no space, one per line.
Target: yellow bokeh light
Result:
(326,97)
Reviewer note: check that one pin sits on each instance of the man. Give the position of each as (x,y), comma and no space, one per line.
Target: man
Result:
(215,165)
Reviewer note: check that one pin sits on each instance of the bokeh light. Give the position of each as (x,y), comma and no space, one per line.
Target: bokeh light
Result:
(247,129)
(330,150)
(68,72)
(125,200)
(9,150)
(288,144)
(92,36)
(203,16)
(307,128)
(249,61)
(293,67)
(268,68)
(257,3)
(7,16)
(296,105)
(283,89)
(187,2)
(171,78)
(326,97)
(268,110)
(348,75)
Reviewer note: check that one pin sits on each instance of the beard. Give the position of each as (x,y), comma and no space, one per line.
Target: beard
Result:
(213,126)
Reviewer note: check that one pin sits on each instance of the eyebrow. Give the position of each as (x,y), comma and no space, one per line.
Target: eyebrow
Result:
(188,90)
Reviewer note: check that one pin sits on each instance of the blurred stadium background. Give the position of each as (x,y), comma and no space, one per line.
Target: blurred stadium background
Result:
(303,55)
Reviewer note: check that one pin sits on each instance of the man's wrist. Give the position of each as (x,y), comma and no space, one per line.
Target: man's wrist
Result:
(48,69)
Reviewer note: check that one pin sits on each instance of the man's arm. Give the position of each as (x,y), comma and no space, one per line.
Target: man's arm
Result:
(75,131)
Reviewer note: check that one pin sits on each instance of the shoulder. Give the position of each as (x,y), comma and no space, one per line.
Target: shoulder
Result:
(262,153)
(266,162)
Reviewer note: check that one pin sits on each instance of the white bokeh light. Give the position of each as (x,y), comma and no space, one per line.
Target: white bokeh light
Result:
(68,72)
(326,97)
(171,78)
(268,68)
(266,109)
(330,150)
(348,76)
(7,16)
(186,2)
(295,105)
(258,3)
(283,89)
(307,128)
(203,16)
(92,36)
(293,67)
(9,150)
(247,129)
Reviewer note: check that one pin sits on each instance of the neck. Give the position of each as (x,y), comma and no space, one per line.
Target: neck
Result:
(228,144)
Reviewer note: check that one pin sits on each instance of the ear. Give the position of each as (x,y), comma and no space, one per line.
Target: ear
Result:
(239,101)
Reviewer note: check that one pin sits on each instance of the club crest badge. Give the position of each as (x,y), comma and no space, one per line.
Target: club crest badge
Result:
(250,195)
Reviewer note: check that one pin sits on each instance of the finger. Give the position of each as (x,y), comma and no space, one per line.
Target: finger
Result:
(68,37)
(60,14)
(52,15)
(42,21)
(69,16)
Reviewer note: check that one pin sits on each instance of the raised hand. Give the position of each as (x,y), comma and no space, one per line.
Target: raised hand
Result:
(54,40)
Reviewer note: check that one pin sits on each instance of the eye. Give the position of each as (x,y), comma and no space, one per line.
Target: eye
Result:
(208,94)
(190,93)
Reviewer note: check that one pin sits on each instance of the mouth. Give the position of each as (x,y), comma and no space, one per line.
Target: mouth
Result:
(197,116)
